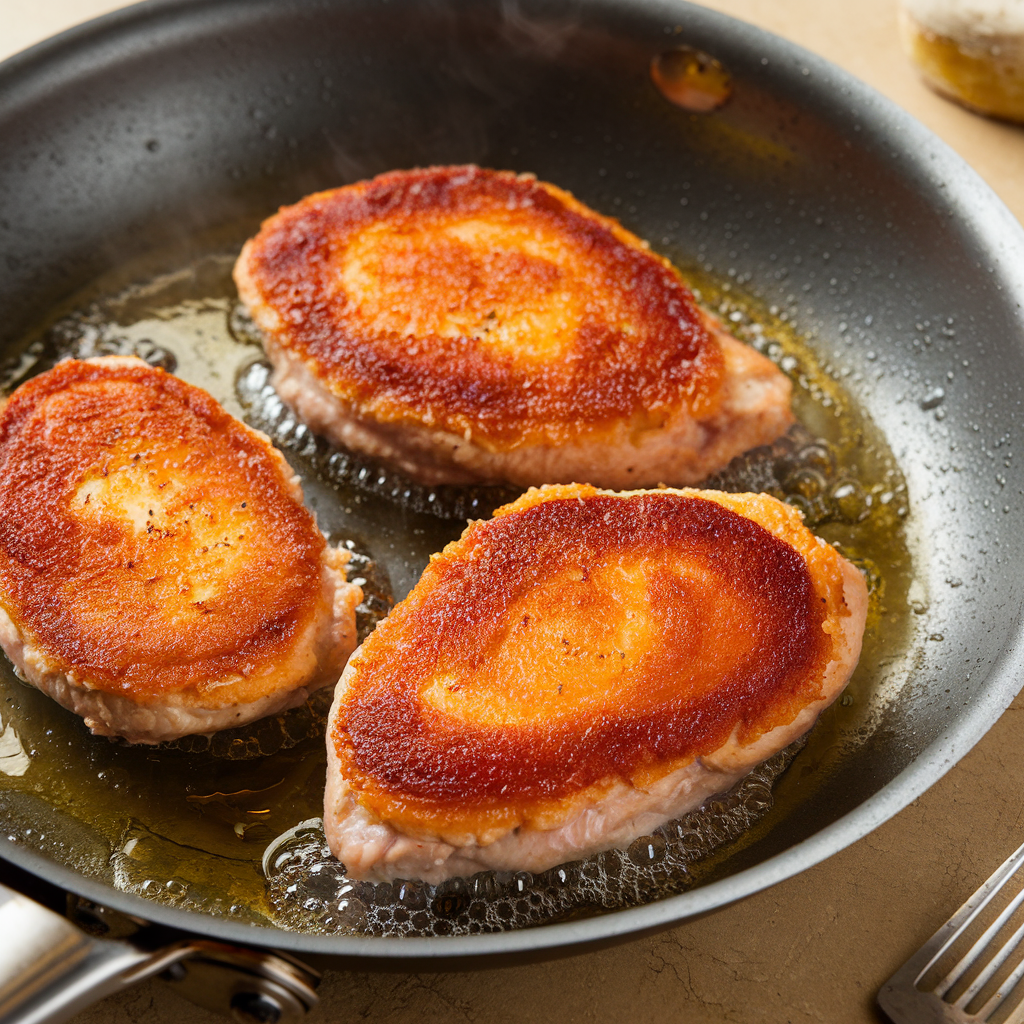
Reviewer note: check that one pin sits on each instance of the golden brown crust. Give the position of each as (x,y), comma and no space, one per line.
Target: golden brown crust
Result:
(485,304)
(150,544)
(583,637)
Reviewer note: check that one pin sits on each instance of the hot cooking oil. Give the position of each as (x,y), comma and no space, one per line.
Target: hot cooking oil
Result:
(229,824)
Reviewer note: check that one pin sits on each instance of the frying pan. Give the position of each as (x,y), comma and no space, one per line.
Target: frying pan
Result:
(178,119)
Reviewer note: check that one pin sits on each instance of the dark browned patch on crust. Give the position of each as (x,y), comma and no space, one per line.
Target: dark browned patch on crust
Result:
(638,350)
(216,577)
(737,642)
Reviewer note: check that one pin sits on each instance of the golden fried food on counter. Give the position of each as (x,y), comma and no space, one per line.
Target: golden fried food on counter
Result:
(971,51)
(577,671)
(468,325)
(159,574)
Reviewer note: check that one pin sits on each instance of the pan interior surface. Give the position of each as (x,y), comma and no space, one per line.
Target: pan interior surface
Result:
(806,206)
(229,825)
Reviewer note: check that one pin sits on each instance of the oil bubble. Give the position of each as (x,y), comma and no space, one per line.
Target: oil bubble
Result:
(819,457)
(647,849)
(242,327)
(691,79)
(156,355)
(295,848)
(808,483)
(563,876)
(521,881)
(383,894)
(451,899)
(351,913)
(265,411)
(850,501)
(656,865)
(485,885)
(411,894)
(802,505)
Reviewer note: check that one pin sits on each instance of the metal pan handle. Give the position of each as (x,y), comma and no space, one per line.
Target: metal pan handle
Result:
(50,969)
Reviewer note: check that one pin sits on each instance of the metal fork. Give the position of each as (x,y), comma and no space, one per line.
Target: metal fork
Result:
(905,1003)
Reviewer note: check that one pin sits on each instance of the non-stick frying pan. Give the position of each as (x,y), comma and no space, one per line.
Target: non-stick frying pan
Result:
(162,127)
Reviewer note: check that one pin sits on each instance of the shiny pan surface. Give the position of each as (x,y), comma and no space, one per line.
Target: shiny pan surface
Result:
(178,119)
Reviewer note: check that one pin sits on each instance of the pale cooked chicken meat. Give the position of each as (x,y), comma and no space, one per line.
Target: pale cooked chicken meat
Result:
(579,670)
(467,325)
(159,574)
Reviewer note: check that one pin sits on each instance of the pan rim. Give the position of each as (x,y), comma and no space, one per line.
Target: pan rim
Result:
(994,230)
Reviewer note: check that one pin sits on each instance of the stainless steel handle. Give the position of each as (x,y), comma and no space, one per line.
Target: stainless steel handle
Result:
(50,969)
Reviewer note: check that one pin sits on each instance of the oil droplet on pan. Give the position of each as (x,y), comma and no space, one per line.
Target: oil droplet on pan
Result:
(13,759)
(691,79)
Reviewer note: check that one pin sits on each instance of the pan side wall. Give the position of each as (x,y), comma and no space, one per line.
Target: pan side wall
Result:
(165,128)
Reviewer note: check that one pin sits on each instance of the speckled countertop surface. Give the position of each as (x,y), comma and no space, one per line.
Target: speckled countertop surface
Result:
(817,947)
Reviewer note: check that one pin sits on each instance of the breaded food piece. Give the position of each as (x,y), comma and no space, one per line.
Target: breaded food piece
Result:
(579,670)
(159,574)
(971,51)
(467,325)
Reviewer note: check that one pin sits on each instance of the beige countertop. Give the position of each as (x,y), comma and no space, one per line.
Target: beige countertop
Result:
(817,947)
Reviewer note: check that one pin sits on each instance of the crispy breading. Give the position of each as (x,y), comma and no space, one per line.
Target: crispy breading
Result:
(579,669)
(158,571)
(474,325)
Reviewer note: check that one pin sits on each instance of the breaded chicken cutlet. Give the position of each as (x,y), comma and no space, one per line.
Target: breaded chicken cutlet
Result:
(159,574)
(579,670)
(468,325)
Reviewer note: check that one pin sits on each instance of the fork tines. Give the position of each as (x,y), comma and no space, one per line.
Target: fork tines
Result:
(975,988)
